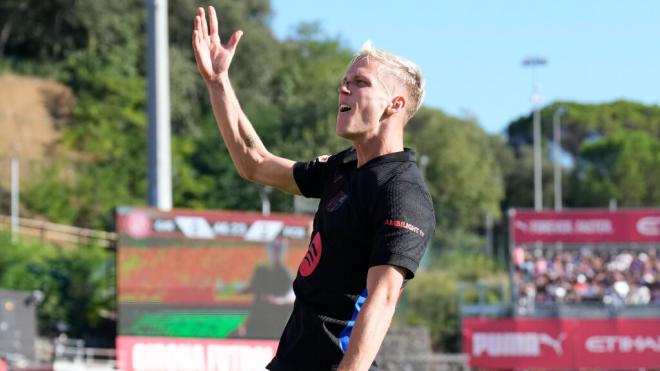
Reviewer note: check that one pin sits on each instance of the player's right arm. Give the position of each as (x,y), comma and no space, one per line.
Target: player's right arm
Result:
(250,157)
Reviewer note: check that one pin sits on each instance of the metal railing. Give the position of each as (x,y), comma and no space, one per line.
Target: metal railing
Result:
(71,354)
(60,234)
(424,362)
(409,349)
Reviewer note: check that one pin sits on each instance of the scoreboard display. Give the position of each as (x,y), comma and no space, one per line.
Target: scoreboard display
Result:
(188,274)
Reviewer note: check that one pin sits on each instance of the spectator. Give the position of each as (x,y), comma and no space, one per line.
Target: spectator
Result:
(587,275)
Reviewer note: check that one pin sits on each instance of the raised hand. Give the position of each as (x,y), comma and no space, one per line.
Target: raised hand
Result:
(213,58)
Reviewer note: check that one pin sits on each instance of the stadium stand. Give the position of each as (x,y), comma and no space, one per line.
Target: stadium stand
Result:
(587,274)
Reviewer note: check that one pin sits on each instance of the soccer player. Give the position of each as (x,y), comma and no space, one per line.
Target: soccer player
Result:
(375,214)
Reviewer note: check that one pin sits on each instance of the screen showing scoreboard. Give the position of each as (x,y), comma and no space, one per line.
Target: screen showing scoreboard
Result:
(207,274)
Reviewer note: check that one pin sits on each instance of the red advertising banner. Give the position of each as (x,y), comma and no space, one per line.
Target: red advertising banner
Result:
(158,354)
(562,343)
(586,226)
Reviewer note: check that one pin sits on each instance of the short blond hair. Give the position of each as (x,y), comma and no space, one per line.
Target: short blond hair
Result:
(404,70)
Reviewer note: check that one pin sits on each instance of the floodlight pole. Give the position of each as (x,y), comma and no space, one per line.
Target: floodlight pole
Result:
(160,163)
(535,62)
(264,193)
(556,137)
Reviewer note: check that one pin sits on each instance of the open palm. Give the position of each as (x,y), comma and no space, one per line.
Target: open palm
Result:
(213,58)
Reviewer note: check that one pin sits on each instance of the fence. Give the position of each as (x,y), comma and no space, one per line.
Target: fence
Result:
(409,349)
(71,354)
(60,234)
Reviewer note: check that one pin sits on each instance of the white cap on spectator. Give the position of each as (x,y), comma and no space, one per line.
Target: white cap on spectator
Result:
(621,288)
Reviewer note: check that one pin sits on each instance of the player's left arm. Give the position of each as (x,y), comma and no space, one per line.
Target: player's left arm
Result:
(384,287)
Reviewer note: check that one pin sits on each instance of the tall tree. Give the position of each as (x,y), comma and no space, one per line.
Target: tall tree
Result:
(583,122)
(305,93)
(463,174)
(581,125)
(624,166)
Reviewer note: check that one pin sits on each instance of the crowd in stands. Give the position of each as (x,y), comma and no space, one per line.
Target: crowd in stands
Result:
(588,274)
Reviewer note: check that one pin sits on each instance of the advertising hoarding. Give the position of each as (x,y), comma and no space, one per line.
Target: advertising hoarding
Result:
(562,343)
(585,226)
(159,354)
(211,278)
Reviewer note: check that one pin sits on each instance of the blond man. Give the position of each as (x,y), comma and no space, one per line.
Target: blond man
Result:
(375,215)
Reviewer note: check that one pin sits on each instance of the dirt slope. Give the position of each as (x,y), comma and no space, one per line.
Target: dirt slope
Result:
(30,111)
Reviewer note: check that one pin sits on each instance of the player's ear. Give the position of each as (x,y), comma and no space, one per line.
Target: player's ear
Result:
(398,104)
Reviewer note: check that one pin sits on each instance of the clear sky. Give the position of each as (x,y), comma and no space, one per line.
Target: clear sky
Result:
(471,51)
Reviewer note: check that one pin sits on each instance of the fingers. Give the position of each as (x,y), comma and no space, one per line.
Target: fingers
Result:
(196,23)
(233,41)
(198,28)
(198,20)
(213,20)
(202,16)
(195,40)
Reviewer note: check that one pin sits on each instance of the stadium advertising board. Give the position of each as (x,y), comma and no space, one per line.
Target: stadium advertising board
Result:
(585,226)
(158,354)
(562,343)
(210,280)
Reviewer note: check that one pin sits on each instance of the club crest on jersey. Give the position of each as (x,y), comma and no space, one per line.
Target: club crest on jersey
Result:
(336,201)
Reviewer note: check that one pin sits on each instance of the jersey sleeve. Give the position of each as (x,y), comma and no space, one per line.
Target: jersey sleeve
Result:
(310,176)
(405,222)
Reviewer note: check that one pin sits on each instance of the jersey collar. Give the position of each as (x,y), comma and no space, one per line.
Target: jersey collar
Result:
(403,156)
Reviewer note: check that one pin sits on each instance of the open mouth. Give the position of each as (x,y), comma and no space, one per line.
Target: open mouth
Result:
(344,108)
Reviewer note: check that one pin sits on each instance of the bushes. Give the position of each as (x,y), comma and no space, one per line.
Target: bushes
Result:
(78,284)
(431,299)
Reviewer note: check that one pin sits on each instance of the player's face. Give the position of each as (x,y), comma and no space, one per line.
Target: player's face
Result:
(363,99)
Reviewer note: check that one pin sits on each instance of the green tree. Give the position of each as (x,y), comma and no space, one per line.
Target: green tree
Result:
(305,91)
(519,179)
(78,285)
(582,122)
(463,175)
(48,31)
(431,299)
(53,23)
(624,166)
(253,69)
(109,129)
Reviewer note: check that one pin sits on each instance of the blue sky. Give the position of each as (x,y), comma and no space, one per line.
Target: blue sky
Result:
(471,51)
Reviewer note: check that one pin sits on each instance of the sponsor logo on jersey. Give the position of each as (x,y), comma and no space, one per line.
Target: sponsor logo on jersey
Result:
(313,256)
(404,225)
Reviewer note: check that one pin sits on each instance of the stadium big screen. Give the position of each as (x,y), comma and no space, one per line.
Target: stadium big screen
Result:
(204,290)
(585,294)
